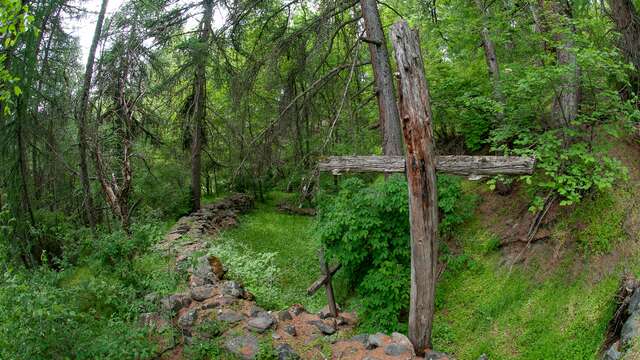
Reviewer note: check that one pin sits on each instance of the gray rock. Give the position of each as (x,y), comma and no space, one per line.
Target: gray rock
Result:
(246,346)
(175,302)
(376,340)
(434,355)
(187,319)
(402,340)
(394,349)
(323,327)
(255,311)
(230,316)
(233,289)
(284,315)
(297,309)
(201,293)
(484,357)
(261,323)
(195,280)
(285,352)
(630,329)
(370,358)
(612,353)
(291,330)
(362,338)
(202,269)
(634,302)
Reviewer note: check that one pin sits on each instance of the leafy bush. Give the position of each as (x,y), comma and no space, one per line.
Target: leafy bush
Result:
(366,229)
(256,270)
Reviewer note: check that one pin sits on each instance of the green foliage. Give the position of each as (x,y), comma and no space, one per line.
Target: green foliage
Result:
(266,351)
(598,223)
(14,20)
(274,254)
(89,307)
(366,229)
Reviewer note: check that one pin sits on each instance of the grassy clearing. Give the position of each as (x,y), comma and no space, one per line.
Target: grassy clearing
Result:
(287,240)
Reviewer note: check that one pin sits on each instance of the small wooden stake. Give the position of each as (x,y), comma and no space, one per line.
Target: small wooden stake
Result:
(333,309)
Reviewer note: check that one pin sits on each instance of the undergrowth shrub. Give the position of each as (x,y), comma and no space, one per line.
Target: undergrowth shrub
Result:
(88,305)
(256,270)
(366,229)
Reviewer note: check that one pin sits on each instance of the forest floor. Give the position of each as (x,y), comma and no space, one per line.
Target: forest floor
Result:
(554,303)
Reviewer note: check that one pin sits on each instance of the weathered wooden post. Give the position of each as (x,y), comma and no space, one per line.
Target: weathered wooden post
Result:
(415,114)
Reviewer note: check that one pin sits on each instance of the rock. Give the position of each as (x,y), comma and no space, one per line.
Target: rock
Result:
(634,302)
(394,349)
(275,336)
(246,346)
(402,340)
(255,311)
(484,357)
(362,338)
(284,315)
(370,358)
(630,329)
(201,293)
(326,313)
(153,320)
(434,355)
(376,340)
(291,330)
(175,302)
(248,296)
(297,309)
(151,298)
(202,269)
(187,319)
(216,266)
(323,327)
(261,323)
(230,316)
(233,289)
(613,353)
(196,281)
(285,352)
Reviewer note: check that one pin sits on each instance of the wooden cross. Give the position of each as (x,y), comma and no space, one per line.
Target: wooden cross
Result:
(325,279)
(420,164)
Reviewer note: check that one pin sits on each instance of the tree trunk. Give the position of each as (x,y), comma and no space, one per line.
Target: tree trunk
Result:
(200,102)
(490,55)
(627,21)
(389,116)
(565,106)
(415,110)
(539,27)
(82,118)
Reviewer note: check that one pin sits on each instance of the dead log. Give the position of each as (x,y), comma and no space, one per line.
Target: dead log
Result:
(294,210)
(452,164)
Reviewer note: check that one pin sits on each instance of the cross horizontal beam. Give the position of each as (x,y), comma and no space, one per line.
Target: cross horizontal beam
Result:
(451,164)
(323,279)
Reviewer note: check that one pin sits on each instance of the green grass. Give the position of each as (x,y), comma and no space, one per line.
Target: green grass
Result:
(516,315)
(289,238)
